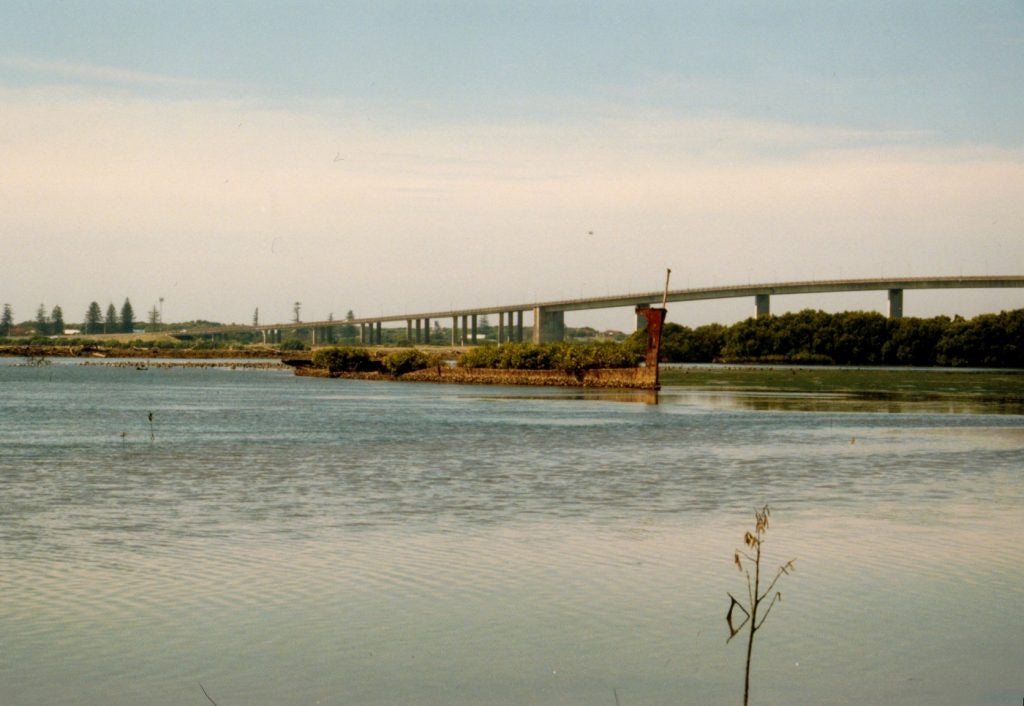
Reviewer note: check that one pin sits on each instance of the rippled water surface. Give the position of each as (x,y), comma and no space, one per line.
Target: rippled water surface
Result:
(284,540)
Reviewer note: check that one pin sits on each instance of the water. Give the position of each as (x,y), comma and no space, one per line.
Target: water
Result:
(283,540)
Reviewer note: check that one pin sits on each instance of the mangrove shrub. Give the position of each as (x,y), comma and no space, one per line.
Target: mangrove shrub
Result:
(569,357)
(850,338)
(407,361)
(344,359)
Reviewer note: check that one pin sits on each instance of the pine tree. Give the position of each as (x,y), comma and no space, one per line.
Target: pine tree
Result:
(110,323)
(7,322)
(57,321)
(127,317)
(93,319)
(348,331)
(328,333)
(42,322)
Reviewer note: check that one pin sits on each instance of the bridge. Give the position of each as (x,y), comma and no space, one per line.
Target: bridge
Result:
(548,317)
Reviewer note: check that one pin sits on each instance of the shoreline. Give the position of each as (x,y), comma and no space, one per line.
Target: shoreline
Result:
(605,378)
(226,363)
(1006,384)
(90,351)
(99,351)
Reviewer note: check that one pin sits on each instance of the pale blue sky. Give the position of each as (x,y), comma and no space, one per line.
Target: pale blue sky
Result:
(387,157)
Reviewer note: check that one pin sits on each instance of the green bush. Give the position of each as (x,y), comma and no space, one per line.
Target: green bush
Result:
(403,362)
(292,344)
(608,354)
(344,359)
(525,356)
(487,356)
(570,357)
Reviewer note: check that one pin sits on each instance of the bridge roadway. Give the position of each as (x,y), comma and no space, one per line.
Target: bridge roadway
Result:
(549,322)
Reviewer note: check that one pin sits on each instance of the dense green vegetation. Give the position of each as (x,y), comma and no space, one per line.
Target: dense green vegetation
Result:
(402,362)
(53,324)
(570,357)
(344,359)
(292,344)
(7,321)
(852,338)
(349,359)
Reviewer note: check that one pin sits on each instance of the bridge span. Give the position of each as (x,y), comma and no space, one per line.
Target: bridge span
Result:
(548,317)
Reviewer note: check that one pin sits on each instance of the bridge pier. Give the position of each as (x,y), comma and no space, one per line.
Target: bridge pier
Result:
(762,305)
(514,323)
(380,339)
(548,325)
(455,330)
(895,303)
(472,339)
(465,328)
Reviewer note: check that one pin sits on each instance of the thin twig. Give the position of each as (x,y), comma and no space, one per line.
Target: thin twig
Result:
(784,569)
(776,597)
(206,695)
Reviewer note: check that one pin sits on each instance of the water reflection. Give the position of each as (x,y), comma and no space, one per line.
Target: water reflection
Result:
(843,402)
(283,540)
(822,402)
(649,397)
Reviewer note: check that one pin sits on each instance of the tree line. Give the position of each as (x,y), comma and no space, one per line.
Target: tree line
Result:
(561,355)
(851,338)
(569,357)
(52,323)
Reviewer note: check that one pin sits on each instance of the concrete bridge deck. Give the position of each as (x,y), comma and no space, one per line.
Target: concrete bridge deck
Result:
(548,316)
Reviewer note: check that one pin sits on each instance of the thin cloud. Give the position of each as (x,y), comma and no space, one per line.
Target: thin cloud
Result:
(237,195)
(93,74)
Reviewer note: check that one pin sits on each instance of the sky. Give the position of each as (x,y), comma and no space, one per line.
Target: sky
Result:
(398,157)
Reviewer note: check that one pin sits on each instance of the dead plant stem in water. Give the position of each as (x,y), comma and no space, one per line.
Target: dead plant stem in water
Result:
(751,610)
